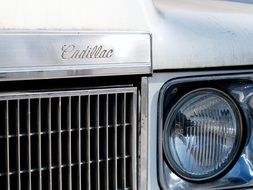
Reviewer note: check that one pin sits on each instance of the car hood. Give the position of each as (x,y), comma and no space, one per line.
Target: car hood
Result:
(185,33)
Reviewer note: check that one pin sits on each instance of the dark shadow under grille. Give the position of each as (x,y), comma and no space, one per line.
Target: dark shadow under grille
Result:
(83,139)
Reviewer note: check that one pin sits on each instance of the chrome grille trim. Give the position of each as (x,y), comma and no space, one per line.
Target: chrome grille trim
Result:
(49,144)
(78,139)
(115,143)
(79,144)
(43,54)
(107,156)
(88,186)
(7,146)
(29,145)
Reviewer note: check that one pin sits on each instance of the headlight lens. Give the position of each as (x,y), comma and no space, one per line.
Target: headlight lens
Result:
(202,134)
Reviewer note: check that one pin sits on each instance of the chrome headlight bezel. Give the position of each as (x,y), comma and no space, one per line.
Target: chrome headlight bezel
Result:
(224,168)
(234,86)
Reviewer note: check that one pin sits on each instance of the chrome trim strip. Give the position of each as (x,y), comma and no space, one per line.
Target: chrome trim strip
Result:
(61,94)
(143,139)
(39,55)
(70,72)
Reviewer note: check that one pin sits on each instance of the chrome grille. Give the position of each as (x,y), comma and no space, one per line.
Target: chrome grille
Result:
(80,139)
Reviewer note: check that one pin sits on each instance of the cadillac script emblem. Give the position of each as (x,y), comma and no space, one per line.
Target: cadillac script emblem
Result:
(89,52)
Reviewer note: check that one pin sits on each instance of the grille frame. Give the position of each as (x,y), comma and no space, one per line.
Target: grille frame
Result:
(18,96)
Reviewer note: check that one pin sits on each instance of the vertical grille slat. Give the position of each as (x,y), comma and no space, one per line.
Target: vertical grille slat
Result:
(133,137)
(88,140)
(88,146)
(79,184)
(18,143)
(49,111)
(29,144)
(106,145)
(97,142)
(124,141)
(69,140)
(115,113)
(7,145)
(39,144)
(69,145)
(59,146)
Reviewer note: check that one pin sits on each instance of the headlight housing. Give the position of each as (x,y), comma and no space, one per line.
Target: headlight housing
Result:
(202,134)
(211,149)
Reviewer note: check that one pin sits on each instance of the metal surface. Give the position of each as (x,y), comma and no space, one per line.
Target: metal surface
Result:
(186,33)
(80,139)
(156,82)
(27,55)
(199,34)
(143,140)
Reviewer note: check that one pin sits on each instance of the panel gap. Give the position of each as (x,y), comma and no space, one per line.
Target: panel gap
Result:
(75,178)
(120,108)
(74,147)
(93,145)
(64,148)
(45,180)
(102,110)
(111,176)
(120,173)
(129,107)
(102,173)
(13,117)
(84,144)
(54,149)
(13,154)
(128,140)
(102,143)
(34,152)
(111,107)
(64,113)
(129,173)
(14,182)
(111,140)
(44,115)
(55,178)
(65,178)
(54,111)
(85,179)
(93,175)
(35,180)
(34,115)
(45,152)
(24,181)
(85,111)
(119,141)
(23,154)
(93,110)
(74,112)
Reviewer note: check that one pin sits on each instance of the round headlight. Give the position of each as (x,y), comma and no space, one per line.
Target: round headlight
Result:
(202,134)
